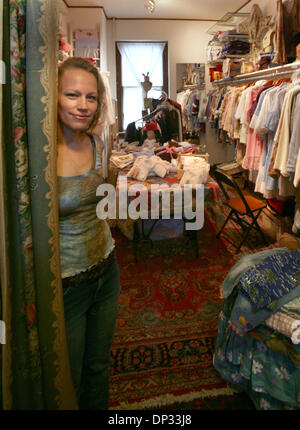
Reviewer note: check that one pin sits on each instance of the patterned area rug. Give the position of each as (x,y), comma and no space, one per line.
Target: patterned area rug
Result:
(167,324)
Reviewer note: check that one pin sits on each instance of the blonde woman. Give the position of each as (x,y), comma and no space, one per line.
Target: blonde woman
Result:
(90,273)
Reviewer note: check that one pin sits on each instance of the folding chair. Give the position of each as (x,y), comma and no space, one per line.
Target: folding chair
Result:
(241,206)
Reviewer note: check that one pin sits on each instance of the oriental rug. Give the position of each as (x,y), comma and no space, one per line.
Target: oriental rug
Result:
(163,346)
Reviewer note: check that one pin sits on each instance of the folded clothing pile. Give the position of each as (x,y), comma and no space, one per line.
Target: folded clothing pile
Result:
(285,324)
(196,171)
(235,47)
(149,166)
(172,148)
(121,161)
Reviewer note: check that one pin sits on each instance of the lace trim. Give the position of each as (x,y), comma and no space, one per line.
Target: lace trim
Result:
(48,28)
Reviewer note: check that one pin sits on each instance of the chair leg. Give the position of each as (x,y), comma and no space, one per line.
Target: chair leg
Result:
(226,221)
(260,230)
(254,222)
(244,238)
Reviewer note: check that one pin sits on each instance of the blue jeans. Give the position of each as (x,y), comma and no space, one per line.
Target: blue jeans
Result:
(90,314)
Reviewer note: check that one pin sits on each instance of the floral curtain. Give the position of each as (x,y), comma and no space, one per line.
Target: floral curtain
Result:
(35,367)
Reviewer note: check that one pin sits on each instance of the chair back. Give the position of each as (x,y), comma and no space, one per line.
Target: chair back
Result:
(223,179)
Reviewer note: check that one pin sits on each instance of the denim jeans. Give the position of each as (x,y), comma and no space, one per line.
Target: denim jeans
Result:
(90,314)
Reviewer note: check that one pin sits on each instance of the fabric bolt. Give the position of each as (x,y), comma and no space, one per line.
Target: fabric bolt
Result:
(250,355)
(271,279)
(268,370)
(245,316)
(286,325)
(292,308)
(242,266)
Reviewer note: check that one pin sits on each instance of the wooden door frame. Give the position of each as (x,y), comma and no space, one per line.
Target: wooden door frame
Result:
(119,75)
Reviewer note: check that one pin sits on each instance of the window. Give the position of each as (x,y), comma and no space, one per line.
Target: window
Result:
(133,60)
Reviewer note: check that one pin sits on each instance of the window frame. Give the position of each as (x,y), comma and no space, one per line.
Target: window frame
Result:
(119,75)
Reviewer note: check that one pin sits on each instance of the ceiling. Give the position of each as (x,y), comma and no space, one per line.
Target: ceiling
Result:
(165,9)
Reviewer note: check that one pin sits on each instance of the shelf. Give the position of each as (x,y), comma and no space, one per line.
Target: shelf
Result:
(215,62)
(273,72)
(237,36)
(227,22)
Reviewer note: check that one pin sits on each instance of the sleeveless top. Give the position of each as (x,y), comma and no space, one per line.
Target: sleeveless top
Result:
(84,238)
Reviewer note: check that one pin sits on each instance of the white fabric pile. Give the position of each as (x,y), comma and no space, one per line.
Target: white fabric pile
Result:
(196,171)
(120,161)
(144,167)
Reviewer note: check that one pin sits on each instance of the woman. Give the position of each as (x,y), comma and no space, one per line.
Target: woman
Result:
(89,268)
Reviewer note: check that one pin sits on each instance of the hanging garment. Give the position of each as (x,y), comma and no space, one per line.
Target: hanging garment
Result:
(295,141)
(282,137)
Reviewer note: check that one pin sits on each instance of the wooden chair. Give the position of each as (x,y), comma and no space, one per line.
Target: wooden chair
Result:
(242,206)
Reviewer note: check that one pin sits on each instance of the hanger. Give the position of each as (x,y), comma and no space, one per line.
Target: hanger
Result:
(151,114)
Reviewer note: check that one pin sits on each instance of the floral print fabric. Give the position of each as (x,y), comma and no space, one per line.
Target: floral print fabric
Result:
(254,357)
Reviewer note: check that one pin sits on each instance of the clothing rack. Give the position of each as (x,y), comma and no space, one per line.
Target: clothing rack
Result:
(272,73)
(151,114)
(191,87)
(165,108)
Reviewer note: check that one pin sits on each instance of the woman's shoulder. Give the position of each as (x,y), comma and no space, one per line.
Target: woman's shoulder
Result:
(98,146)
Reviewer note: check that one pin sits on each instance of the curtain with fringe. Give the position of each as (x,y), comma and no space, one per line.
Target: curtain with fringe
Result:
(35,366)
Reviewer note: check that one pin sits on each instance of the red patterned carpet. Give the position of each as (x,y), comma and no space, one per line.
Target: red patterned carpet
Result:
(168,320)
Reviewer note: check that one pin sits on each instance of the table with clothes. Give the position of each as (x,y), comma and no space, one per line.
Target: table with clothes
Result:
(159,218)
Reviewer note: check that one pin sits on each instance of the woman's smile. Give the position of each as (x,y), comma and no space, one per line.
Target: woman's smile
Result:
(80,117)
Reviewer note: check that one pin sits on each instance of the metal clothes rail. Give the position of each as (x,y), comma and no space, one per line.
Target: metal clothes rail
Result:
(272,73)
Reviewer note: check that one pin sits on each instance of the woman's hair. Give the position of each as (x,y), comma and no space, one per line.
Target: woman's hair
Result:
(81,63)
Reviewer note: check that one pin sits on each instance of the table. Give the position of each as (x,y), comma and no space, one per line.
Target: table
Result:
(145,188)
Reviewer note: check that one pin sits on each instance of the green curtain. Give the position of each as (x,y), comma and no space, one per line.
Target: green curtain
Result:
(35,366)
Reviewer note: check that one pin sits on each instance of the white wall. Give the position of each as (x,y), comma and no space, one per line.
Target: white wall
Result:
(187,41)
(103,42)
(87,18)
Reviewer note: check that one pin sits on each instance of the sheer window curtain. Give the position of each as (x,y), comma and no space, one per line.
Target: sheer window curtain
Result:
(139,58)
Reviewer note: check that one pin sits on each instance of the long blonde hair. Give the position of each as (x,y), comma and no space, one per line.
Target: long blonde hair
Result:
(81,63)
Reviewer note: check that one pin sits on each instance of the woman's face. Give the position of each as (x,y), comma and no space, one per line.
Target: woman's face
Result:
(77,99)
